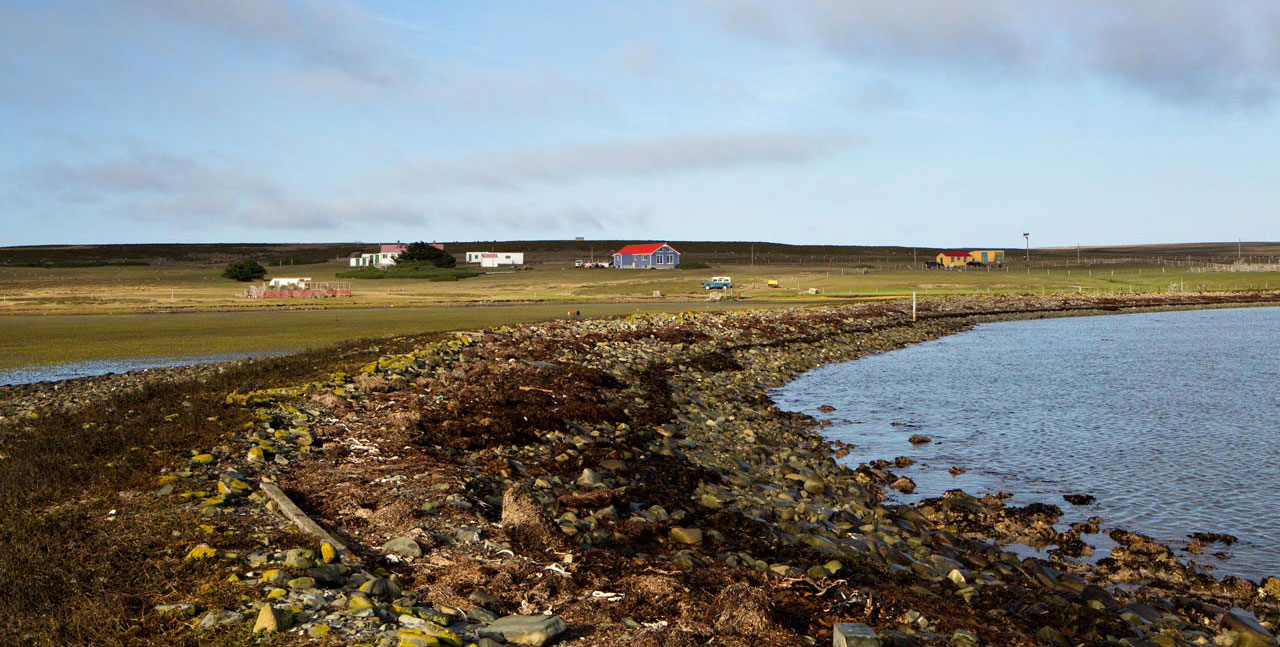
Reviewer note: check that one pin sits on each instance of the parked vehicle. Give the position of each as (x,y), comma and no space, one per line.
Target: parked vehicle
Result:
(591,265)
(717,283)
(932,265)
(976,264)
(773,283)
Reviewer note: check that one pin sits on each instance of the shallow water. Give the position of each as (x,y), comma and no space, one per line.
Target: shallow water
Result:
(91,368)
(1170,419)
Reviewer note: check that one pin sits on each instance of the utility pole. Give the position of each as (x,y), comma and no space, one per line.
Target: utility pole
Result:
(753,254)
(1027,236)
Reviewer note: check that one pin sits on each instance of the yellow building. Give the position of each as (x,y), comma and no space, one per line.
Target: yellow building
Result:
(988,256)
(953,259)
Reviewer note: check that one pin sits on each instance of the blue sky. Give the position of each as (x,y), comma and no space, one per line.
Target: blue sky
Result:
(915,122)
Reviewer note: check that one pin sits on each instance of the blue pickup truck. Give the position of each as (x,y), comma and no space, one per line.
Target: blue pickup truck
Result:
(717,283)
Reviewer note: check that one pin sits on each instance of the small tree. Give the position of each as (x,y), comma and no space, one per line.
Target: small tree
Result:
(245,269)
(421,252)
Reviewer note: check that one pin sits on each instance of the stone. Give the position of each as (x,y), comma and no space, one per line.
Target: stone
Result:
(299,558)
(853,634)
(1251,633)
(319,631)
(919,439)
(524,630)
(481,615)
(274,576)
(203,459)
(219,618)
(904,485)
(404,546)
(202,552)
(272,620)
(962,638)
(188,610)
(814,485)
(327,552)
(360,601)
(299,583)
(590,478)
(381,588)
(686,535)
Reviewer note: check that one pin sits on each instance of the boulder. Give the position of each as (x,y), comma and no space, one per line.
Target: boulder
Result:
(404,546)
(524,630)
(853,634)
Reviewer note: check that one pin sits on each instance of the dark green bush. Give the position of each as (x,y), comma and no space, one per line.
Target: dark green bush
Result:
(245,269)
(420,252)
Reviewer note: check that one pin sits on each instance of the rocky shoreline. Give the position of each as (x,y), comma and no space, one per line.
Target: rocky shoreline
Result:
(629,482)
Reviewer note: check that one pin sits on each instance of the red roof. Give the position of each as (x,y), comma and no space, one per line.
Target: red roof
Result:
(391,249)
(642,248)
(960,254)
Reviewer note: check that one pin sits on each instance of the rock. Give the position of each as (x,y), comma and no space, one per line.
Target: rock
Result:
(481,615)
(919,439)
(302,583)
(188,610)
(405,546)
(327,552)
(202,552)
(272,620)
(524,630)
(380,588)
(1252,634)
(853,634)
(686,535)
(814,485)
(826,408)
(1079,499)
(1271,586)
(962,638)
(299,558)
(904,485)
(219,618)
(430,635)
(274,576)
(590,478)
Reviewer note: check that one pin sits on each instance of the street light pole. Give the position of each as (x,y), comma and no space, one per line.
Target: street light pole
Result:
(1027,235)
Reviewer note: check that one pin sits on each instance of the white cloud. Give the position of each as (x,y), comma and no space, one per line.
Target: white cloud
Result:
(575,162)
(1208,53)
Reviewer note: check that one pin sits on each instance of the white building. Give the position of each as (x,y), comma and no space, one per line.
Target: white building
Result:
(290,283)
(495,259)
(384,257)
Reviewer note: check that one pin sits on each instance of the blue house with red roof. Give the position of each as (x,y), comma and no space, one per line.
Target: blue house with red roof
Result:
(647,256)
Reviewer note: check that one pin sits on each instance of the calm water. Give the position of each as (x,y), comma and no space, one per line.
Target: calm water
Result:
(1171,419)
(54,372)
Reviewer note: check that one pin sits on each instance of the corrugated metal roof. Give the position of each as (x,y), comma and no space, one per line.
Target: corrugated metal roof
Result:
(642,248)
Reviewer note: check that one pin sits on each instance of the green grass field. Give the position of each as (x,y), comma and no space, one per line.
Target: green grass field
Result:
(59,339)
(68,313)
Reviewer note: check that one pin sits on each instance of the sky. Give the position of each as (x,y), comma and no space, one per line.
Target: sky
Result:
(861,122)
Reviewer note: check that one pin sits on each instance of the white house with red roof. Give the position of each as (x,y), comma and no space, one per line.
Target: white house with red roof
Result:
(647,256)
(385,256)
